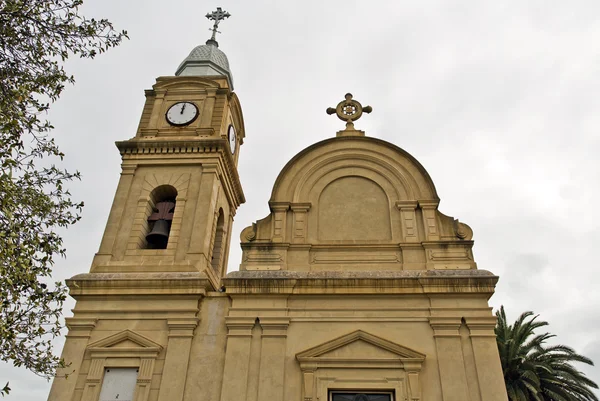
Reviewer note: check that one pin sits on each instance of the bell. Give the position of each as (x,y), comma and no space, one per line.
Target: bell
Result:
(159,236)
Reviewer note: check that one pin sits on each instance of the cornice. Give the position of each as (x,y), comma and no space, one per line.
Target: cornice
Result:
(150,148)
(381,282)
(118,284)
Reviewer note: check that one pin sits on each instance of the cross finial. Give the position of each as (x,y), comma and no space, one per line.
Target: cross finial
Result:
(216,16)
(349,110)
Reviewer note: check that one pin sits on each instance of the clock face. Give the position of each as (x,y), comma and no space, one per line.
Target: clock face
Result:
(232,139)
(182,113)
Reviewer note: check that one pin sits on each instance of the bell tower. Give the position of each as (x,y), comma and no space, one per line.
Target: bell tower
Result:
(179,186)
(164,250)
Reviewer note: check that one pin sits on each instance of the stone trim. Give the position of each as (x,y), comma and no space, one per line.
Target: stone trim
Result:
(104,355)
(80,327)
(445,326)
(274,326)
(318,371)
(481,326)
(239,326)
(183,327)
(186,283)
(138,149)
(388,282)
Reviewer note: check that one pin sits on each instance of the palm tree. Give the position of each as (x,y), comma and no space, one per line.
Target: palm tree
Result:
(534,371)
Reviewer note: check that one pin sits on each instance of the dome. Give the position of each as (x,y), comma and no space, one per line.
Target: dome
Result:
(206,60)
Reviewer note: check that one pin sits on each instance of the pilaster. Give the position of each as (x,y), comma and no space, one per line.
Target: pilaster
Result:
(408,220)
(487,359)
(450,357)
(279,210)
(432,231)
(237,358)
(105,252)
(202,227)
(300,227)
(181,332)
(80,330)
(272,361)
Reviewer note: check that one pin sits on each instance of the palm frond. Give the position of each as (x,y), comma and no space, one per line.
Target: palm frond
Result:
(534,371)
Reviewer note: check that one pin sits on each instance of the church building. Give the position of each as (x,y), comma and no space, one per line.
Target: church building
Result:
(354,288)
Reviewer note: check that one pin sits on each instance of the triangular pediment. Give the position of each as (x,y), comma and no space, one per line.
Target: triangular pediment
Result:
(359,345)
(126,339)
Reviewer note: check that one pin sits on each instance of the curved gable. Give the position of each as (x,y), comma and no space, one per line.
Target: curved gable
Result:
(355,203)
(378,160)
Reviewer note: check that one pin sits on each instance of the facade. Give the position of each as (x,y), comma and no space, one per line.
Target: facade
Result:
(355,287)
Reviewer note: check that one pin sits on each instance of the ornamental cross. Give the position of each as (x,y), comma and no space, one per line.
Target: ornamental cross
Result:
(349,110)
(217,16)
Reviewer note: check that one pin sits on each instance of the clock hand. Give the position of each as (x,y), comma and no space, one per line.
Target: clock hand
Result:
(183,108)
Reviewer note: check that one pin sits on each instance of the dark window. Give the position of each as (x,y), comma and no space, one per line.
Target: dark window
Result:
(218,245)
(357,396)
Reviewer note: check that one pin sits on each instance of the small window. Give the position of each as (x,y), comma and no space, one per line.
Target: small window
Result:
(218,245)
(360,396)
(118,384)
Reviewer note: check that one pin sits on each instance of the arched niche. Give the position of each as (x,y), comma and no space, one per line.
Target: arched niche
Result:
(353,208)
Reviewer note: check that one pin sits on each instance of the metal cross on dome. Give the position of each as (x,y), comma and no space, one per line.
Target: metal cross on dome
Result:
(217,16)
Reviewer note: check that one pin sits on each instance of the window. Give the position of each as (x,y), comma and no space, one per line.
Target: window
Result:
(118,384)
(218,245)
(360,396)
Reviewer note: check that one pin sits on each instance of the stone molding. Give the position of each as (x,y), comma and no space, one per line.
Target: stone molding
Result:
(445,326)
(274,326)
(80,327)
(105,347)
(302,164)
(383,282)
(165,148)
(317,368)
(139,284)
(481,326)
(105,354)
(240,326)
(182,327)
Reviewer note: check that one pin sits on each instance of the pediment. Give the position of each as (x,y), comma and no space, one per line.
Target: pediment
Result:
(359,346)
(126,340)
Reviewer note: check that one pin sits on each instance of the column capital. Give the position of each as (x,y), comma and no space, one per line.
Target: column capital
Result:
(240,326)
(80,327)
(182,327)
(429,204)
(481,326)
(274,326)
(128,169)
(301,206)
(279,206)
(408,205)
(445,326)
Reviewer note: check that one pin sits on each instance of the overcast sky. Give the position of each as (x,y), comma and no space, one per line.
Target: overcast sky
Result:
(498,100)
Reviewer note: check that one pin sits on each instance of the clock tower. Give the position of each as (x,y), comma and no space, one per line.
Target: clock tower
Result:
(166,241)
